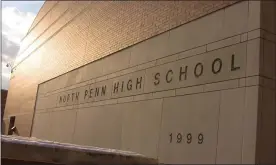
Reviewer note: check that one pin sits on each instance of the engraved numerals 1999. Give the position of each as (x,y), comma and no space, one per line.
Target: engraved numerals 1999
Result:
(186,138)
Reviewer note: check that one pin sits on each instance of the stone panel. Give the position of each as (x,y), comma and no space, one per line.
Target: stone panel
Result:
(45,102)
(254,57)
(244,37)
(125,99)
(254,15)
(101,90)
(68,97)
(151,49)
(224,43)
(219,65)
(130,84)
(145,66)
(99,126)
(62,125)
(230,133)
(52,101)
(254,80)
(167,93)
(141,126)
(41,126)
(268,83)
(142,97)
(77,95)
(189,129)
(190,90)
(235,19)
(269,59)
(192,52)
(193,35)
(41,89)
(221,85)
(268,18)
(116,62)
(167,59)
(254,34)
(218,25)
(92,70)
(250,127)
(266,142)
(73,77)
(40,103)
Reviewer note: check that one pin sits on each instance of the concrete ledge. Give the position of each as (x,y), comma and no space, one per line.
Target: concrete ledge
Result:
(36,150)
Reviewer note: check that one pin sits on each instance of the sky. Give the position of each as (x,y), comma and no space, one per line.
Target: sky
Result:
(17,17)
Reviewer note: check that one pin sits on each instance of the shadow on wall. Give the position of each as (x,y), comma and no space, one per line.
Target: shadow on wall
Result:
(4,94)
(3,126)
(9,128)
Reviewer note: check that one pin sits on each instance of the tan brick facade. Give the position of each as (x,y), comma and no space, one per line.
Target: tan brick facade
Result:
(142,76)
(66,35)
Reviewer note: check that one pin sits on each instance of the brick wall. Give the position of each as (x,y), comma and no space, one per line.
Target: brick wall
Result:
(67,35)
